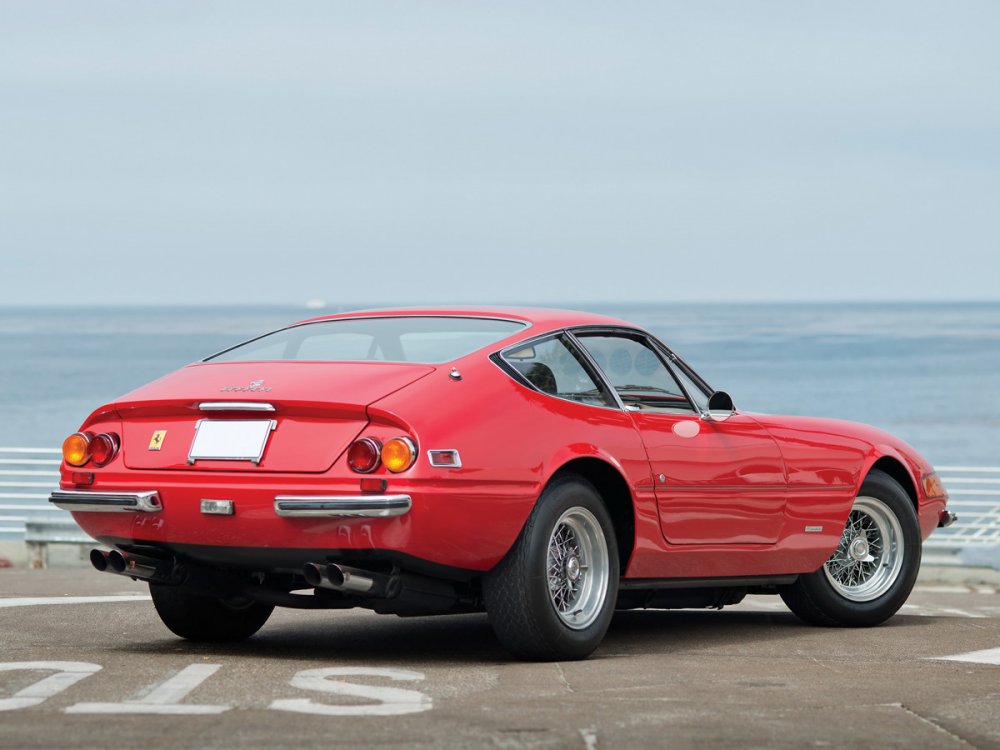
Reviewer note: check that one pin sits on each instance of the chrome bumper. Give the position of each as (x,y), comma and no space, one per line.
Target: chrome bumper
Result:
(342,506)
(90,501)
(946,519)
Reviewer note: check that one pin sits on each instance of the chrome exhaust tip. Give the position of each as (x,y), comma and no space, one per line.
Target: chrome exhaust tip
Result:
(345,579)
(313,574)
(349,579)
(117,561)
(99,559)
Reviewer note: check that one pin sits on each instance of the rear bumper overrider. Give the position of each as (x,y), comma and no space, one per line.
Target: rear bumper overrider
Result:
(91,501)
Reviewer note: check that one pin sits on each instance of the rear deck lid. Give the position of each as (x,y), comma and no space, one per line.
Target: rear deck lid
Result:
(302,415)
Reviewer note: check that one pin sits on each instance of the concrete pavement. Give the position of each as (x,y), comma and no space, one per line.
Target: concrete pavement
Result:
(749,676)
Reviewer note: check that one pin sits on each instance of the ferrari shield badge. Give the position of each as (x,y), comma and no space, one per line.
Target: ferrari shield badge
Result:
(156,442)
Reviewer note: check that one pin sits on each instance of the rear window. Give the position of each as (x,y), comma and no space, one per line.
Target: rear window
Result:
(426,340)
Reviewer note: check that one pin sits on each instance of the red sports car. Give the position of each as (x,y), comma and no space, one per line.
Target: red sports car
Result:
(546,466)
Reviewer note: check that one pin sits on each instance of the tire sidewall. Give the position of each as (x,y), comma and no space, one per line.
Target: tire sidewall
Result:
(847,612)
(556,500)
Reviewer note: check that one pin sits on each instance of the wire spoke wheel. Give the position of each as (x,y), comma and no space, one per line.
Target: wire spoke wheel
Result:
(869,557)
(577,568)
(553,594)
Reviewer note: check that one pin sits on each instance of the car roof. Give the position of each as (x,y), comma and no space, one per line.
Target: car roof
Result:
(539,317)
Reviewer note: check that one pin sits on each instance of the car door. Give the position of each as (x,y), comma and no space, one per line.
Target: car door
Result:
(716,482)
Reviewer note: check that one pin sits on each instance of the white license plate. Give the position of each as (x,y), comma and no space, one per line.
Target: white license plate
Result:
(230,440)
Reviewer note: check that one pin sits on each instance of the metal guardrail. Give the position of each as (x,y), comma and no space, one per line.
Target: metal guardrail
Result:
(974,495)
(28,475)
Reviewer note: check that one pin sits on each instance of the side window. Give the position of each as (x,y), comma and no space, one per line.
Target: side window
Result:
(636,372)
(552,367)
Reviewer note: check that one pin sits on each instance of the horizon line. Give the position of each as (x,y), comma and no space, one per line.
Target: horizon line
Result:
(319,305)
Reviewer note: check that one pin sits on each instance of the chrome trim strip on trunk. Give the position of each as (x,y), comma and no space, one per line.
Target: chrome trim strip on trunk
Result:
(235,406)
(91,501)
(342,506)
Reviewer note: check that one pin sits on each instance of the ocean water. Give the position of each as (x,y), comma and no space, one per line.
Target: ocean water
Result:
(930,373)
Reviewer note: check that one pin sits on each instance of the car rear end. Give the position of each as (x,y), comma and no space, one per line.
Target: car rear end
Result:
(282,474)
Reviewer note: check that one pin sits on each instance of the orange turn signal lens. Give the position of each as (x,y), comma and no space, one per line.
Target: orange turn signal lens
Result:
(76,448)
(399,454)
(933,487)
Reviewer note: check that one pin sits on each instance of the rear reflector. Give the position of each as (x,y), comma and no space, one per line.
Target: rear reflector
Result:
(372,484)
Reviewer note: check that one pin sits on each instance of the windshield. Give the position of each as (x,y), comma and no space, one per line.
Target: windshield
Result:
(425,340)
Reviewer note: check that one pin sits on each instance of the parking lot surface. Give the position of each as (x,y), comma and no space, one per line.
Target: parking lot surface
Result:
(85,663)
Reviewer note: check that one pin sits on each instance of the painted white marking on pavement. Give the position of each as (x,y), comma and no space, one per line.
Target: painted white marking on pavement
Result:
(68,673)
(589,739)
(940,589)
(391,701)
(34,601)
(961,612)
(989,656)
(164,698)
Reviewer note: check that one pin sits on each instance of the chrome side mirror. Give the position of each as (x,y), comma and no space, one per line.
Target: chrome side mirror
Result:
(720,407)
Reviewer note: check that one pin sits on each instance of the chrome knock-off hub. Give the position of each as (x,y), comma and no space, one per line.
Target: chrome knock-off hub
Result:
(573,569)
(859,549)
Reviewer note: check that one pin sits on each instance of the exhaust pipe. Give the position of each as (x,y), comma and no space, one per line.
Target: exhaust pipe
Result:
(349,580)
(117,562)
(99,559)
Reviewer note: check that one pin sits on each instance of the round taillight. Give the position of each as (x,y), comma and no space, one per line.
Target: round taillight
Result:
(104,448)
(363,456)
(76,448)
(399,454)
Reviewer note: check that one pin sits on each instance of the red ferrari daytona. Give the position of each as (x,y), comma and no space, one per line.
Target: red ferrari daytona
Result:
(545,466)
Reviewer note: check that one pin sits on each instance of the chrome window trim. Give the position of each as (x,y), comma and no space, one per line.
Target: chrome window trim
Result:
(342,506)
(92,501)
(662,352)
(682,365)
(597,369)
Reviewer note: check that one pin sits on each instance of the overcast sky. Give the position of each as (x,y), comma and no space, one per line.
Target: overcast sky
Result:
(543,152)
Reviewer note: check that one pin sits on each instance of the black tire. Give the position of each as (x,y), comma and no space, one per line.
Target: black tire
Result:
(206,618)
(848,591)
(525,613)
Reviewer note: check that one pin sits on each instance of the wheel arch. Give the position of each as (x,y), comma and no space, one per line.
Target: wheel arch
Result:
(614,492)
(895,469)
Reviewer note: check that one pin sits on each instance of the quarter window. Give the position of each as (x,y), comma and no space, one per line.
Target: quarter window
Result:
(553,367)
(636,372)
